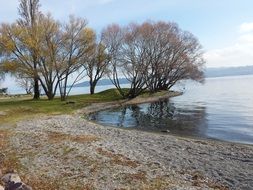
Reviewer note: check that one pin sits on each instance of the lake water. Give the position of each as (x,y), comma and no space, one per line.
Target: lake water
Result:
(222,108)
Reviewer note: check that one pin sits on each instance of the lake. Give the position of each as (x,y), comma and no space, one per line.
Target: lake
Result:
(222,108)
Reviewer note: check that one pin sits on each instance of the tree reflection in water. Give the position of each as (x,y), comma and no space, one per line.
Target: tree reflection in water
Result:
(157,116)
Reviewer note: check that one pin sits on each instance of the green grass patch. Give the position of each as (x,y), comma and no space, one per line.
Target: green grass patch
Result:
(147,94)
(17,108)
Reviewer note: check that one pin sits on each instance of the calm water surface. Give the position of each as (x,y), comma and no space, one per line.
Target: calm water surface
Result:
(222,108)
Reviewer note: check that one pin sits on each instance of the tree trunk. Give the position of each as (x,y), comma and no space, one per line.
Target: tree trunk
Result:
(50,95)
(93,84)
(63,97)
(36,95)
(92,88)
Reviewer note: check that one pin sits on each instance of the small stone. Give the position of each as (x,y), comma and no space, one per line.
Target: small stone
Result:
(13,186)
(17,186)
(11,177)
(12,181)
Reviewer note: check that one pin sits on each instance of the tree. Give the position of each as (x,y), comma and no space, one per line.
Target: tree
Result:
(20,42)
(135,57)
(96,65)
(77,41)
(112,38)
(50,36)
(177,55)
(29,19)
(31,53)
(38,47)
(152,55)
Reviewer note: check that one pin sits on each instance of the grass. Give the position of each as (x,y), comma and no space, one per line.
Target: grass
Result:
(55,137)
(118,159)
(18,108)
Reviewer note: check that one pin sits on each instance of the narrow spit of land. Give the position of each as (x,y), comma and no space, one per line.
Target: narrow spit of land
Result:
(69,152)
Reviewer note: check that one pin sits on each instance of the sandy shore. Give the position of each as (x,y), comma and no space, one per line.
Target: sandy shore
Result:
(69,152)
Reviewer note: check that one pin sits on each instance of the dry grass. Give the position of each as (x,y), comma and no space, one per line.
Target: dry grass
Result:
(56,137)
(10,163)
(3,138)
(8,158)
(160,183)
(55,184)
(118,159)
(199,181)
(140,176)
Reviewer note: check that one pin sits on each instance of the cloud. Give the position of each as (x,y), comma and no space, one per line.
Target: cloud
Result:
(238,54)
(246,27)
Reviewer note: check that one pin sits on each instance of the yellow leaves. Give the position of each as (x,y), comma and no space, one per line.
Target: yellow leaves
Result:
(88,35)
(8,45)
(9,66)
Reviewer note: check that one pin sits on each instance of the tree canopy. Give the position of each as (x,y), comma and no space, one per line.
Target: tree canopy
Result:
(44,53)
(152,55)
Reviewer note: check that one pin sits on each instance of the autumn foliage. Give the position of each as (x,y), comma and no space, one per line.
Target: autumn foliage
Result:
(152,56)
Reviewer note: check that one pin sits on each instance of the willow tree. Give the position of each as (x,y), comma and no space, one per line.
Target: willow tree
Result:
(62,50)
(29,20)
(20,42)
(48,55)
(174,55)
(152,55)
(96,65)
(37,46)
(125,46)
(112,37)
(77,42)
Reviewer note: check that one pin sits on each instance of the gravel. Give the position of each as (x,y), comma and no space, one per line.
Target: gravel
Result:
(128,159)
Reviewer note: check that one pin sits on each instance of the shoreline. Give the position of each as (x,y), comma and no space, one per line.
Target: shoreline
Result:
(96,107)
(63,151)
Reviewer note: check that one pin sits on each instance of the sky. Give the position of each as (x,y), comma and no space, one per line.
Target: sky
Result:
(223,27)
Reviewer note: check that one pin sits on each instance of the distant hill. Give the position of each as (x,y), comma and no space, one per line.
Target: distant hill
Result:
(102,82)
(210,72)
(228,71)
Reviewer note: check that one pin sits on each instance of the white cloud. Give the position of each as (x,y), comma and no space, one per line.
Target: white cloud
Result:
(238,54)
(246,27)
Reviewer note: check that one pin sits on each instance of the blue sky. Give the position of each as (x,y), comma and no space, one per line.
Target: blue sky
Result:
(223,27)
(217,23)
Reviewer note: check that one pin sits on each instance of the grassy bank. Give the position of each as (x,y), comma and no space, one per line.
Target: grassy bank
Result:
(12,110)
(22,107)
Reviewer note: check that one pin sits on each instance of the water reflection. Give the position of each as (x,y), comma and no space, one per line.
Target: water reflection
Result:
(222,108)
(160,116)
